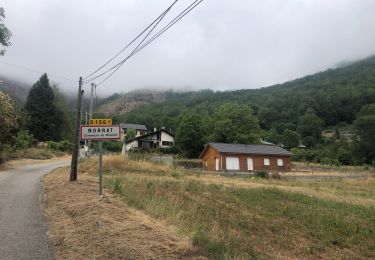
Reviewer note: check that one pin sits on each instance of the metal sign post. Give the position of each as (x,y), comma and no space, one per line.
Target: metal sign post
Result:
(99,130)
(100,173)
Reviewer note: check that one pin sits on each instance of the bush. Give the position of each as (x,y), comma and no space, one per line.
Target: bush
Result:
(188,164)
(261,174)
(23,140)
(62,146)
(109,146)
(169,150)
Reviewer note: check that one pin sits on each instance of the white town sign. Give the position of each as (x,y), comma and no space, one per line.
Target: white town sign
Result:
(89,132)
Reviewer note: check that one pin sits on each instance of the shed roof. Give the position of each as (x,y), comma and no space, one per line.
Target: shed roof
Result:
(248,149)
(133,126)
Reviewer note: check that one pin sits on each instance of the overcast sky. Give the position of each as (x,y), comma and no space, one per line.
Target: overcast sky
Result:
(221,45)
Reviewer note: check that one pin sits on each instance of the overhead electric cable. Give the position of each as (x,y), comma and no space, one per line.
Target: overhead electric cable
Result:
(169,25)
(36,71)
(158,34)
(157,20)
(117,66)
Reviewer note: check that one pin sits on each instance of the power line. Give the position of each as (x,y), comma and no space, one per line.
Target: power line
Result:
(123,61)
(36,71)
(170,24)
(157,35)
(157,20)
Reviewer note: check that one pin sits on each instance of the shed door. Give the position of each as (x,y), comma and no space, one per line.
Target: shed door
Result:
(232,163)
(216,164)
(250,165)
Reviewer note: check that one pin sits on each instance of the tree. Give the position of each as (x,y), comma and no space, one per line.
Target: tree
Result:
(5,34)
(190,135)
(267,117)
(40,106)
(11,118)
(130,134)
(290,138)
(235,123)
(64,122)
(365,126)
(310,125)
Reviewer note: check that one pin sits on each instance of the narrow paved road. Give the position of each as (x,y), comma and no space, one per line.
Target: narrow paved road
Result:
(22,224)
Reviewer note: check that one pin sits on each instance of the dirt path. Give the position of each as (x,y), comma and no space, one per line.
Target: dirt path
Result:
(84,226)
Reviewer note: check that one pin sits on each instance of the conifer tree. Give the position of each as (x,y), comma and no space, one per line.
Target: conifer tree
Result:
(40,107)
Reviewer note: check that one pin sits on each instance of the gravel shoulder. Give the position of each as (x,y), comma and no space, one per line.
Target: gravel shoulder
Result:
(85,226)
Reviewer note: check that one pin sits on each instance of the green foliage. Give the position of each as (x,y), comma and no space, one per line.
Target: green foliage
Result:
(272,136)
(5,33)
(190,135)
(169,150)
(109,146)
(23,140)
(64,120)
(130,134)
(310,125)
(12,119)
(365,126)
(261,174)
(290,138)
(41,108)
(234,123)
(63,146)
(330,99)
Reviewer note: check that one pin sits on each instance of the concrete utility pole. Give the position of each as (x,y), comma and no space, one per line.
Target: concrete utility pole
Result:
(74,163)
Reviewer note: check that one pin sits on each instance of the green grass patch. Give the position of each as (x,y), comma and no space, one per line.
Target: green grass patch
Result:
(237,223)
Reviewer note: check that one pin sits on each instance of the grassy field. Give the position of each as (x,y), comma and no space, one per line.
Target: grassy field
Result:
(241,218)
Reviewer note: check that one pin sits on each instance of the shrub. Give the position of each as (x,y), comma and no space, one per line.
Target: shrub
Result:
(63,146)
(188,164)
(23,140)
(261,174)
(169,150)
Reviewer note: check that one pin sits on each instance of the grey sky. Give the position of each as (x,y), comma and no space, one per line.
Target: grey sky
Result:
(220,45)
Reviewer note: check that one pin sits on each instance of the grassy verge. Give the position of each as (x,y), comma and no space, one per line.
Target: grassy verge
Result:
(241,223)
(35,153)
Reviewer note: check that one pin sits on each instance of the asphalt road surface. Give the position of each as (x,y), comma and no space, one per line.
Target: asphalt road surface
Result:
(23,226)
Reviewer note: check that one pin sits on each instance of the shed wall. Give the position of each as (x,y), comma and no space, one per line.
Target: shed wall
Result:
(258,161)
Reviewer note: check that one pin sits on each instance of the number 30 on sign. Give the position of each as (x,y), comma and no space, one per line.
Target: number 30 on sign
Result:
(100,122)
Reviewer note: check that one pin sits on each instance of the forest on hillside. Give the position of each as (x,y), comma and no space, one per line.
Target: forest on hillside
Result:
(292,113)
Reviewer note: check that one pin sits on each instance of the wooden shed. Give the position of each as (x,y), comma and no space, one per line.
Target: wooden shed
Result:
(245,157)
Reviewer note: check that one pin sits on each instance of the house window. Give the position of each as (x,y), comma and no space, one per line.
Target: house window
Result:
(165,143)
(280,162)
(266,162)
(233,163)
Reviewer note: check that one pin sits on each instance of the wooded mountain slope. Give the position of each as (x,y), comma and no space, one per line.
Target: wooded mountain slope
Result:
(335,95)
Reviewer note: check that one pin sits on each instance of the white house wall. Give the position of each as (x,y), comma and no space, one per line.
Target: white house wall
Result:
(166,138)
(131,145)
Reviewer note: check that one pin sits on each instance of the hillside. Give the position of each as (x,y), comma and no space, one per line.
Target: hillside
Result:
(336,95)
(118,104)
(16,89)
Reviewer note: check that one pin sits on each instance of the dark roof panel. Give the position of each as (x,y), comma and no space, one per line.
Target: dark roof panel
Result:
(133,126)
(250,149)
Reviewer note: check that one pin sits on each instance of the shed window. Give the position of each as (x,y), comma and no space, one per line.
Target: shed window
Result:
(280,162)
(266,162)
(233,163)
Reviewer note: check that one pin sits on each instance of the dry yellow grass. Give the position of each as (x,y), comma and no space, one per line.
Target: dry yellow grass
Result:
(84,226)
(228,218)
(361,191)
